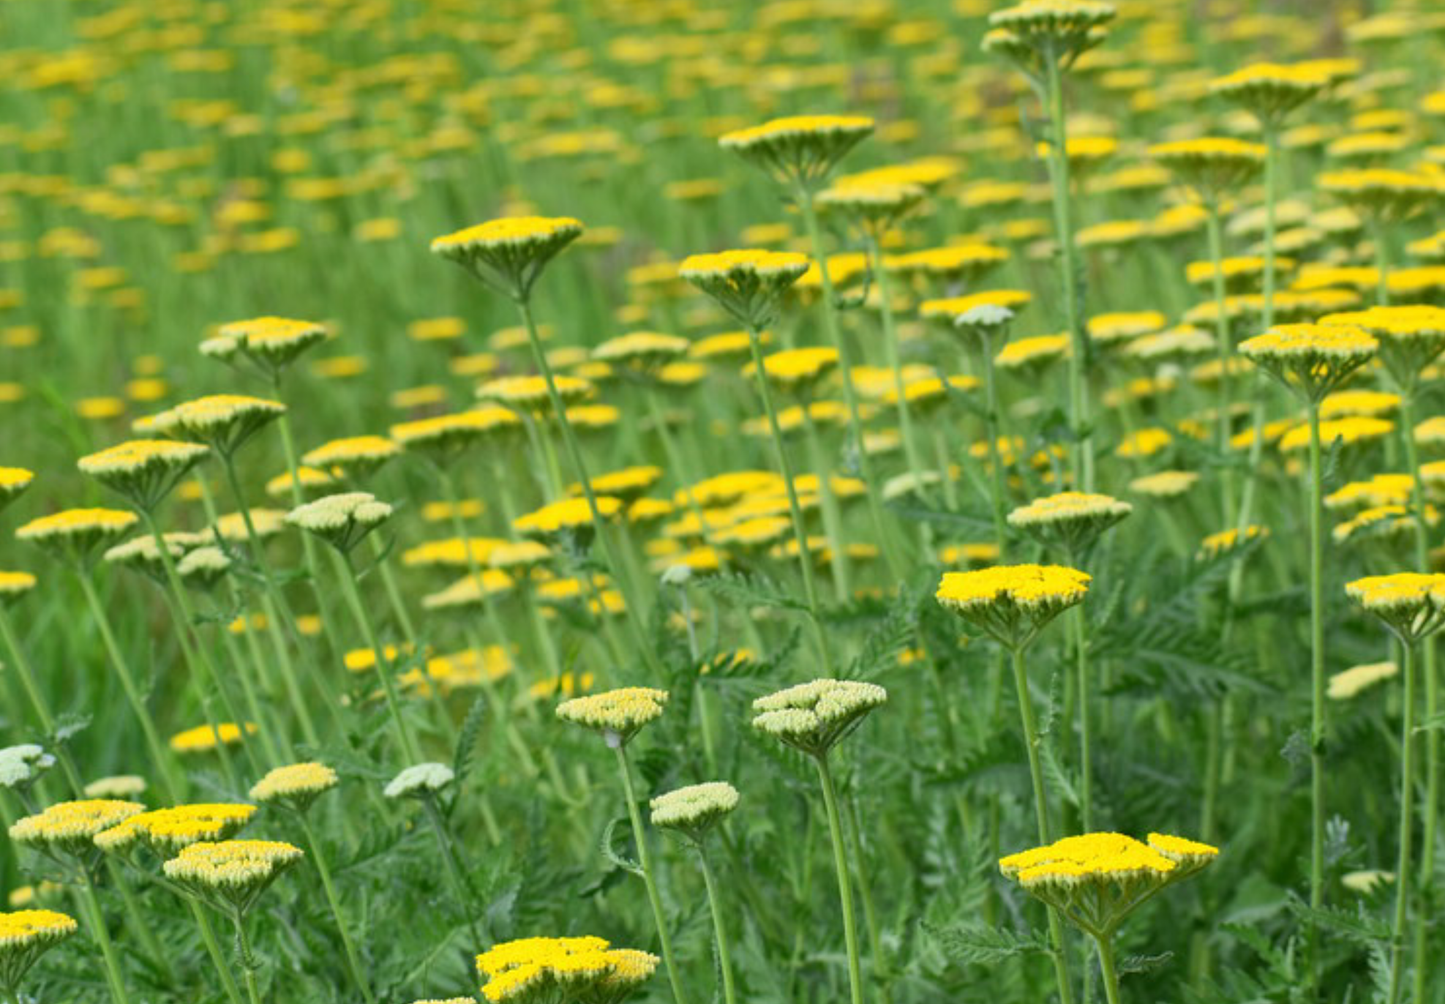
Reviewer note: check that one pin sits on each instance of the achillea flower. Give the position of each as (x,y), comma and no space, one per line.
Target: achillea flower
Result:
(875,208)
(626,484)
(222,422)
(1383,193)
(14,585)
(21,766)
(1144,443)
(443,437)
(530,393)
(540,970)
(356,456)
(1382,489)
(1270,91)
(814,717)
(1358,403)
(269,344)
(1036,32)
(13,482)
(695,809)
(801,151)
(640,353)
(143,470)
(1357,679)
(294,786)
(168,830)
(1411,604)
(115,786)
(77,534)
(1225,542)
(796,370)
(509,254)
(617,714)
(569,516)
(1164,484)
(964,311)
(1410,337)
(1012,603)
(231,872)
(1311,359)
(748,284)
(420,780)
(70,827)
(958,263)
(1213,165)
(1070,520)
(1346,431)
(730,345)
(25,935)
(341,520)
(470,591)
(1033,354)
(264,523)
(1393,519)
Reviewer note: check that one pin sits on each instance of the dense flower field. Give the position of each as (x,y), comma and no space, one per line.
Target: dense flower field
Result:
(569,501)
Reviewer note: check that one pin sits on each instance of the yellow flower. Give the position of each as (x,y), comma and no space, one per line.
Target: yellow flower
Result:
(25,935)
(509,254)
(618,714)
(746,283)
(1070,520)
(221,421)
(1411,604)
(1410,337)
(1033,353)
(76,534)
(640,352)
(269,344)
(444,436)
(1012,602)
(203,738)
(1228,541)
(71,826)
(1346,431)
(1383,193)
(1355,680)
(341,520)
(1144,443)
(1312,359)
(13,481)
(530,393)
(234,872)
(1270,91)
(143,470)
(962,263)
(569,515)
(802,150)
(296,785)
(1214,165)
(470,591)
(586,970)
(796,369)
(171,829)
(356,455)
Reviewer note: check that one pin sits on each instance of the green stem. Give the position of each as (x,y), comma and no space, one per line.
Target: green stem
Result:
(37,700)
(1317,665)
(381,662)
(1225,349)
(895,362)
(832,512)
(795,511)
(353,962)
(213,949)
(1382,261)
(1083,461)
(881,973)
(1403,884)
(724,956)
(172,786)
(1086,770)
(992,425)
(248,961)
(1106,963)
(644,856)
(804,198)
(845,890)
(1271,172)
(101,934)
(1041,813)
(460,887)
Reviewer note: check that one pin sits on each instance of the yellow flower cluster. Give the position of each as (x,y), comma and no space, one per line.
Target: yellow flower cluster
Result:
(71,826)
(1271,91)
(1312,359)
(353,454)
(13,481)
(1164,484)
(24,936)
(445,435)
(236,871)
(586,970)
(619,713)
(568,515)
(1227,541)
(1346,431)
(143,470)
(694,809)
(1072,520)
(1412,604)
(296,784)
(802,149)
(341,520)
(1214,165)
(269,343)
(221,421)
(509,254)
(1383,193)
(177,827)
(1012,602)
(203,738)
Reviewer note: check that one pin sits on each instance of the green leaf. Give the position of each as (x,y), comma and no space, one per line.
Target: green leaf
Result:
(745,590)
(975,943)
(470,732)
(609,847)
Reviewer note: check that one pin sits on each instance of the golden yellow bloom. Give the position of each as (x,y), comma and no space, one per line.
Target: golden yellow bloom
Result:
(356,455)
(509,254)
(444,436)
(469,591)
(169,830)
(203,738)
(71,826)
(1312,359)
(957,263)
(1358,403)
(269,344)
(14,585)
(1033,353)
(1383,193)
(76,534)
(234,872)
(1411,604)
(640,352)
(796,369)
(296,785)
(1012,602)
(13,481)
(568,515)
(1380,490)
(1270,91)
(1214,165)
(802,150)
(1070,520)
(1227,541)
(1411,337)
(143,470)
(530,393)
(1346,431)
(25,935)
(586,970)
(221,421)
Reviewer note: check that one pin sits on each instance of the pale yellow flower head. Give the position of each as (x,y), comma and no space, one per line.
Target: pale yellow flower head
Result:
(800,151)
(295,786)
(618,714)
(813,717)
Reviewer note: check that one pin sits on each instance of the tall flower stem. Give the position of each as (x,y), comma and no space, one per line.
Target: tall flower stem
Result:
(720,931)
(26,672)
(804,197)
(1080,626)
(1041,812)
(579,461)
(795,511)
(1379,233)
(383,664)
(991,426)
(649,879)
(1083,459)
(895,362)
(845,887)
(1431,808)
(1317,664)
(1403,879)
(1225,351)
(832,512)
(353,963)
(248,961)
(172,786)
(98,930)
(213,949)
(1106,964)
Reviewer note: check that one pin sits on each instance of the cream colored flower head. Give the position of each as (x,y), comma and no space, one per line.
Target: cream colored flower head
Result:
(233,872)
(695,809)
(341,520)
(419,780)
(813,717)
(1069,520)
(618,714)
(295,786)
(221,421)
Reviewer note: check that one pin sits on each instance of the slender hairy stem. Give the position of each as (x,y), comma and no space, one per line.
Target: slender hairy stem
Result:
(383,664)
(460,887)
(895,362)
(1225,349)
(353,962)
(37,701)
(991,425)
(845,886)
(579,461)
(1080,626)
(720,931)
(101,934)
(1041,813)
(800,534)
(248,961)
(832,512)
(649,878)
(213,949)
(1403,885)
(1083,460)
(173,787)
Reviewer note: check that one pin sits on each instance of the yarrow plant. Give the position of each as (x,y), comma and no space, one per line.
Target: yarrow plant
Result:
(541,970)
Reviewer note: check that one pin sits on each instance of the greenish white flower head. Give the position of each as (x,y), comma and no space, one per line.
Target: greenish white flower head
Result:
(341,520)
(695,809)
(618,714)
(21,766)
(419,781)
(813,717)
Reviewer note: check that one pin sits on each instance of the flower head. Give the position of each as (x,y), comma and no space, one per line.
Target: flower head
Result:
(640,353)
(231,872)
(204,738)
(14,585)
(1036,32)
(419,781)
(168,830)
(355,456)
(1070,520)
(71,826)
(508,254)
(540,970)
(618,714)
(221,421)
(442,438)
(1411,337)
(22,765)
(143,470)
(1383,193)
(813,717)
(295,786)
(25,935)
(1411,604)
(748,283)
(13,482)
(76,535)
(268,344)
(797,370)
(341,520)
(1270,91)
(695,809)
(1311,359)
(1214,166)
(801,151)
(1013,602)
